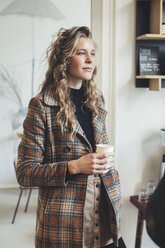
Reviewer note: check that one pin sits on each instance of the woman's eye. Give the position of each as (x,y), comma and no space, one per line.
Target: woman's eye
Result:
(93,54)
(80,53)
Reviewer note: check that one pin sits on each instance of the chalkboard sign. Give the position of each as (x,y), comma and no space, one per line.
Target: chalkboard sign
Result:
(149,63)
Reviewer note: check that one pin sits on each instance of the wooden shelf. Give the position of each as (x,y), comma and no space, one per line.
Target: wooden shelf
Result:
(151,37)
(150,76)
(150,18)
(154,81)
(140,205)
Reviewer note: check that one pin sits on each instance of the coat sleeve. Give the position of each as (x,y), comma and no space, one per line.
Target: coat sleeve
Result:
(31,169)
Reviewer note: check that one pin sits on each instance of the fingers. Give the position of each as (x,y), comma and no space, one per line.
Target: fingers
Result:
(101,169)
(94,163)
(104,155)
(101,161)
(106,166)
(101,172)
(100,156)
(108,160)
(103,164)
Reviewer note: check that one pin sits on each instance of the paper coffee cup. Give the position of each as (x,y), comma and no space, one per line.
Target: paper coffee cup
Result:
(104,148)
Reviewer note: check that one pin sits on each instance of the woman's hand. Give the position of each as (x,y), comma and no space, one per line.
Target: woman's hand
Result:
(92,163)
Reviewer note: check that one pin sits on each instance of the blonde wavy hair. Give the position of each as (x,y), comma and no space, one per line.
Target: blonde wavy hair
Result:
(56,78)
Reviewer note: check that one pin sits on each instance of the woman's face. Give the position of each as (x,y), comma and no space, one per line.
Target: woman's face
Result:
(82,63)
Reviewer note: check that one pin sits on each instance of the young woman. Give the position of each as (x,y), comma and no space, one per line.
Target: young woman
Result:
(79,191)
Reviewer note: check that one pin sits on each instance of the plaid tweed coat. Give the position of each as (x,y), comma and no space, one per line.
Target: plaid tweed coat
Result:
(42,161)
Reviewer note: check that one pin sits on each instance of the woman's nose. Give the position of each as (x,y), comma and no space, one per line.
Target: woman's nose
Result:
(89,59)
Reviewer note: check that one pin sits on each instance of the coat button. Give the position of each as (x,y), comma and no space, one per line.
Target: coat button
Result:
(67,149)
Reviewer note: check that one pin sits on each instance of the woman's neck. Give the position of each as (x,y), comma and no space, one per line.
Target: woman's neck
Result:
(75,85)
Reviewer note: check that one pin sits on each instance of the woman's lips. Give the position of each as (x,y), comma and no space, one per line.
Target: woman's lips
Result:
(88,69)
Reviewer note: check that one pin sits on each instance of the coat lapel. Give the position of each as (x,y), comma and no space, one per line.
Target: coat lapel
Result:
(79,132)
(98,124)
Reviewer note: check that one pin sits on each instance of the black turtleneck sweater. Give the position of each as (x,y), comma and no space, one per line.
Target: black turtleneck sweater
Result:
(83,114)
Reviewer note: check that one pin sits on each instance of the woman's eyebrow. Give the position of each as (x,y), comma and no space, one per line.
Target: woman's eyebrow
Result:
(83,49)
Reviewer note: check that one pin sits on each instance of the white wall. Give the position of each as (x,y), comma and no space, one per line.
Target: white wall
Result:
(139,117)
(15,55)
